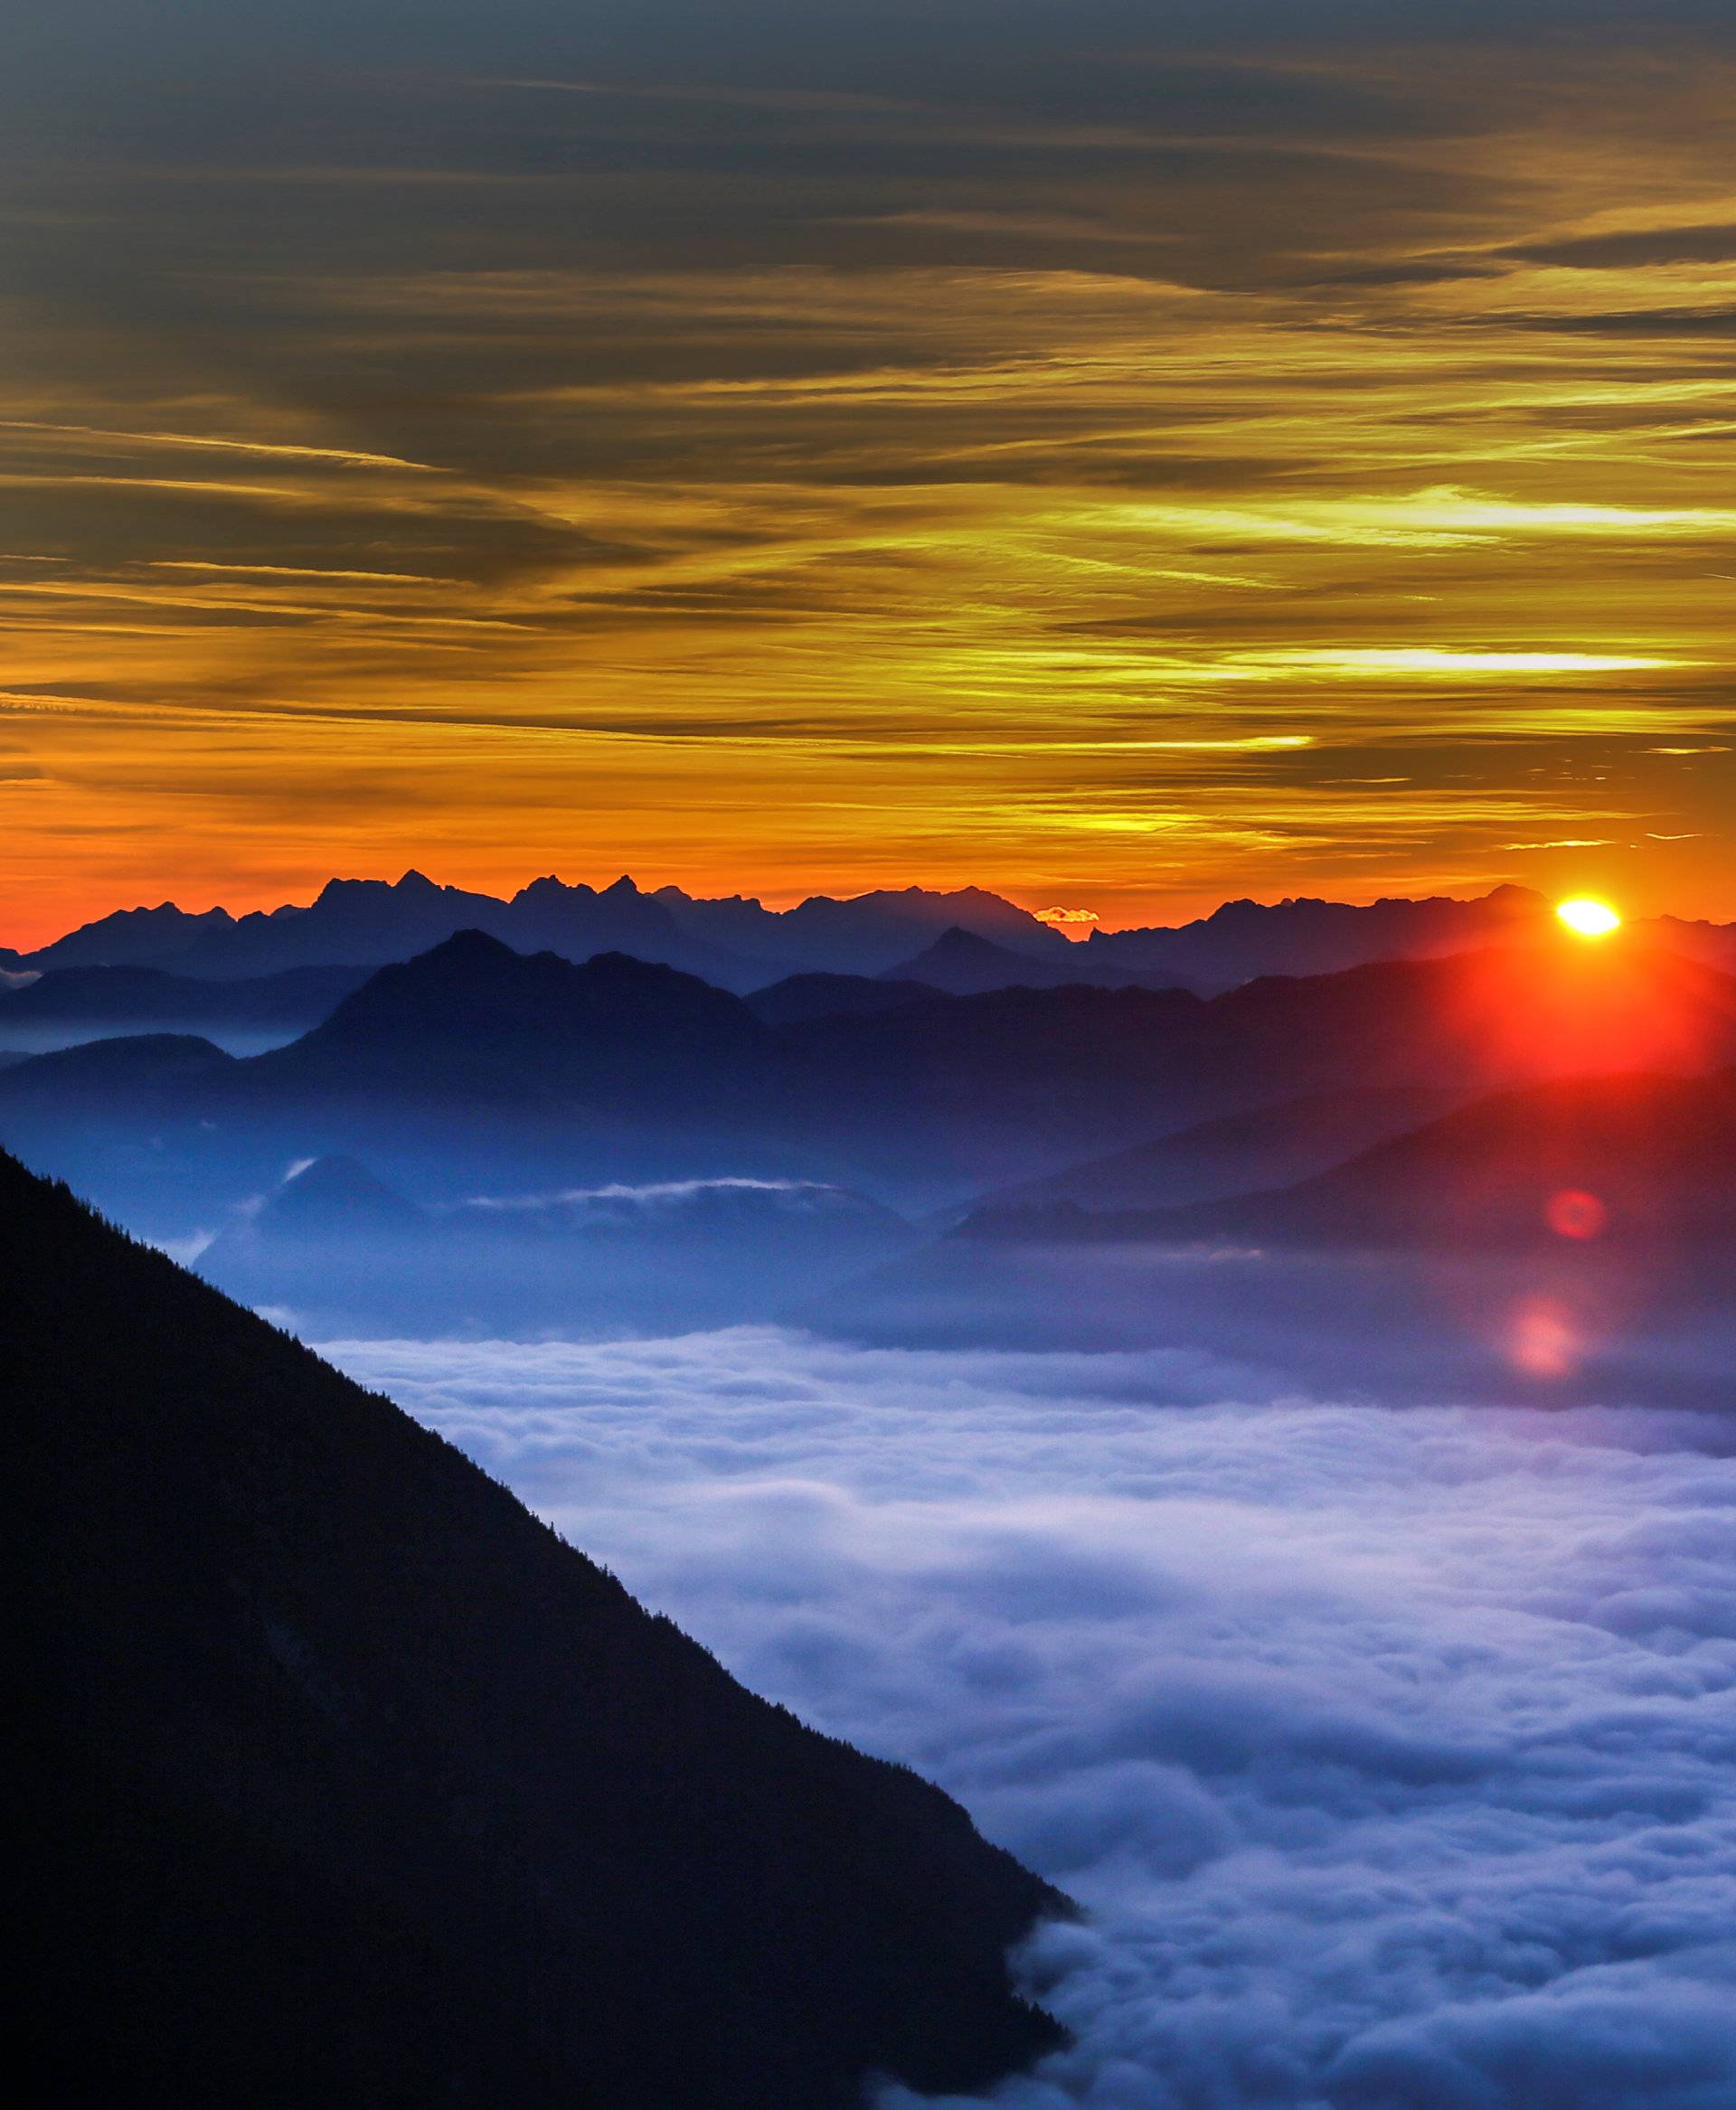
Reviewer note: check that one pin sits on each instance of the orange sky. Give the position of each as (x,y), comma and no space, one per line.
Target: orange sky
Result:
(1121,474)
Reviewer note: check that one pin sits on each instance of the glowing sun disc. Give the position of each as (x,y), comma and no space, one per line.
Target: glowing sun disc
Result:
(1588,919)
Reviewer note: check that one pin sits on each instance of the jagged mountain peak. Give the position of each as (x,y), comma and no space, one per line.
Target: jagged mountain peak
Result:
(407,886)
(552,887)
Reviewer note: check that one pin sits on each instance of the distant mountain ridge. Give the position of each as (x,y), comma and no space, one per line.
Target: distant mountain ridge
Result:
(867,934)
(739,944)
(130,937)
(734,944)
(1243,940)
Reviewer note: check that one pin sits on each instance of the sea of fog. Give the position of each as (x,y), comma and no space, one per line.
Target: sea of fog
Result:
(1393,1753)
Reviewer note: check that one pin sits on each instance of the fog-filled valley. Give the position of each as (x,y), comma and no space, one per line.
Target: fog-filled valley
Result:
(1259,1442)
(1389,1751)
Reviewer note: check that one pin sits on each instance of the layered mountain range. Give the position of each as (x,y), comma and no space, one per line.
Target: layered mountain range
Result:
(1574,1238)
(740,943)
(619,1145)
(735,943)
(476,1068)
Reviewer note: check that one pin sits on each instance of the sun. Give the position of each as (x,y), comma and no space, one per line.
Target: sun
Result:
(1587,917)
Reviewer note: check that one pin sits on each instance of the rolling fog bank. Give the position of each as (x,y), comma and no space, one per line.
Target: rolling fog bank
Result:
(1390,1749)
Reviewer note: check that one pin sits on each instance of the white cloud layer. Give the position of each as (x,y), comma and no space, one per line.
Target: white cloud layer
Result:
(1393,1753)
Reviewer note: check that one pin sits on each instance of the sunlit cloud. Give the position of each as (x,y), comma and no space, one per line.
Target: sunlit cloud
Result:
(101,437)
(306,572)
(1416,659)
(1444,519)
(1566,842)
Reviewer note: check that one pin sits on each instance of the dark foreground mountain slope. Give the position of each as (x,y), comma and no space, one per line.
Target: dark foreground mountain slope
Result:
(350,1783)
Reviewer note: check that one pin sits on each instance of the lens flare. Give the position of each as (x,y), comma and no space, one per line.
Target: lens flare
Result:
(1544,1341)
(1575,1214)
(1588,919)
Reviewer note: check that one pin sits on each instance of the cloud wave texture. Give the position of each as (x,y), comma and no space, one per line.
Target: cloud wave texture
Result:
(1391,1752)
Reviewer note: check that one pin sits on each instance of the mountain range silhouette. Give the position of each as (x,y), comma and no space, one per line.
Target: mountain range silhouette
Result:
(740,943)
